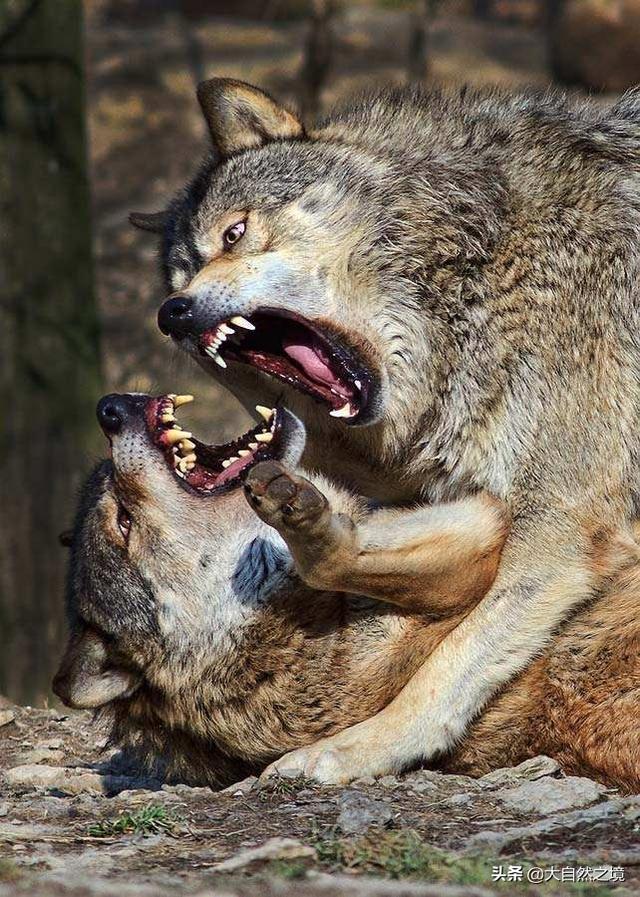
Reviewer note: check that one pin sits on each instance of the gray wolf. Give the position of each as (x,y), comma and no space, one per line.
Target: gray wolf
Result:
(445,289)
(195,622)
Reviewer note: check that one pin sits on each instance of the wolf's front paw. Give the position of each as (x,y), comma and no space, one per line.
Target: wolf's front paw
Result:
(358,751)
(282,499)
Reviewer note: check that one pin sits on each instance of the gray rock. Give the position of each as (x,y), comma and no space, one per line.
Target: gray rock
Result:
(495,841)
(358,812)
(528,770)
(547,796)
(423,787)
(273,849)
(459,800)
(43,755)
(5,809)
(632,812)
(69,780)
(388,781)
(6,716)
(240,788)
(186,791)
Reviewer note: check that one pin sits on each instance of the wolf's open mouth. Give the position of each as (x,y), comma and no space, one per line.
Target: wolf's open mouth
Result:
(297,352)
(207,468)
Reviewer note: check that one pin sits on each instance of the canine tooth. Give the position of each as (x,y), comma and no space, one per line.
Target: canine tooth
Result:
(226,329)
(358,384)
(345,411)
(244,453)
(182,400)
(264,437)
(265,412)
(239,321)
(175,435)
(210,350)
(187,445)
(253,446)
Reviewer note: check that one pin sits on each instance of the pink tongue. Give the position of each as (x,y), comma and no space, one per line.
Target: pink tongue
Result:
(313,360)
(233,470)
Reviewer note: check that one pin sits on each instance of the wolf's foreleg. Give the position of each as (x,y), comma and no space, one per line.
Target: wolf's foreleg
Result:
(540,582)
(431,560)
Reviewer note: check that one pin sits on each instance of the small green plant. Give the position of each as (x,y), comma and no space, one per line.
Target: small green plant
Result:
(150,820)
(404,855)
(283,786)
(291,870)
(400,855)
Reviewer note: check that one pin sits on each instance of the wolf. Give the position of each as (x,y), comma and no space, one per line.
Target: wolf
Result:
(444,288)
(195,624)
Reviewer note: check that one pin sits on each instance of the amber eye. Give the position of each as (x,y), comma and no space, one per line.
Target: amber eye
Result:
(124,523)
(233,234)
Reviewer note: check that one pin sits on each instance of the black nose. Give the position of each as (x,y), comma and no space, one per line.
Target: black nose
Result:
(112,412)
(175,317)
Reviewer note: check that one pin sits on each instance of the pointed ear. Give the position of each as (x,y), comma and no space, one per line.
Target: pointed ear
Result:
(86,678)
(242,117)
(155,222)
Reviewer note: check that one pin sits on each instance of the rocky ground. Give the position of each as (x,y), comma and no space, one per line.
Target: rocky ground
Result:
(73,823)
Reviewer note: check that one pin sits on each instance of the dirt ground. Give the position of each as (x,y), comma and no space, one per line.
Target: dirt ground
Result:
(74,820)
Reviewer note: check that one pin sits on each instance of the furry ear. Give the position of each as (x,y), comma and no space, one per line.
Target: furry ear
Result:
(242,117)
(86,678)
(154,222)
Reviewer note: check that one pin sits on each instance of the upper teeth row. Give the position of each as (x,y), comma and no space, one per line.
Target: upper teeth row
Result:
(184,458)
(220,335)
(224,330)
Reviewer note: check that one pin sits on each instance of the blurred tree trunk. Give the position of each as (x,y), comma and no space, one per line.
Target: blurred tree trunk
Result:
(419,49)
(49,347)
(317,57)
(482,8)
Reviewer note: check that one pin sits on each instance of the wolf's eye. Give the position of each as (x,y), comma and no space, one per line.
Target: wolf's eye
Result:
(124,523)
(233,234)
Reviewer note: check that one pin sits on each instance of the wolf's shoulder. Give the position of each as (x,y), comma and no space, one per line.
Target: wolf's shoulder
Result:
(492,116)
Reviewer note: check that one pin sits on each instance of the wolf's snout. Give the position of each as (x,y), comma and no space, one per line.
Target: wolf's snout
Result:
(114,411)
(175,317)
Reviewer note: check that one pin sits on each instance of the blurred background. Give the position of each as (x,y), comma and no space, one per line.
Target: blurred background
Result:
(97,118)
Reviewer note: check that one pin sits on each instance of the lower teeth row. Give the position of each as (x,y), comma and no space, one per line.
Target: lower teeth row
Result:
(184,456)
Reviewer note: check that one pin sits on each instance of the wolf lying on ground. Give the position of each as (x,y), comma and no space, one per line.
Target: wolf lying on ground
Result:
(194,623)
(445,288)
